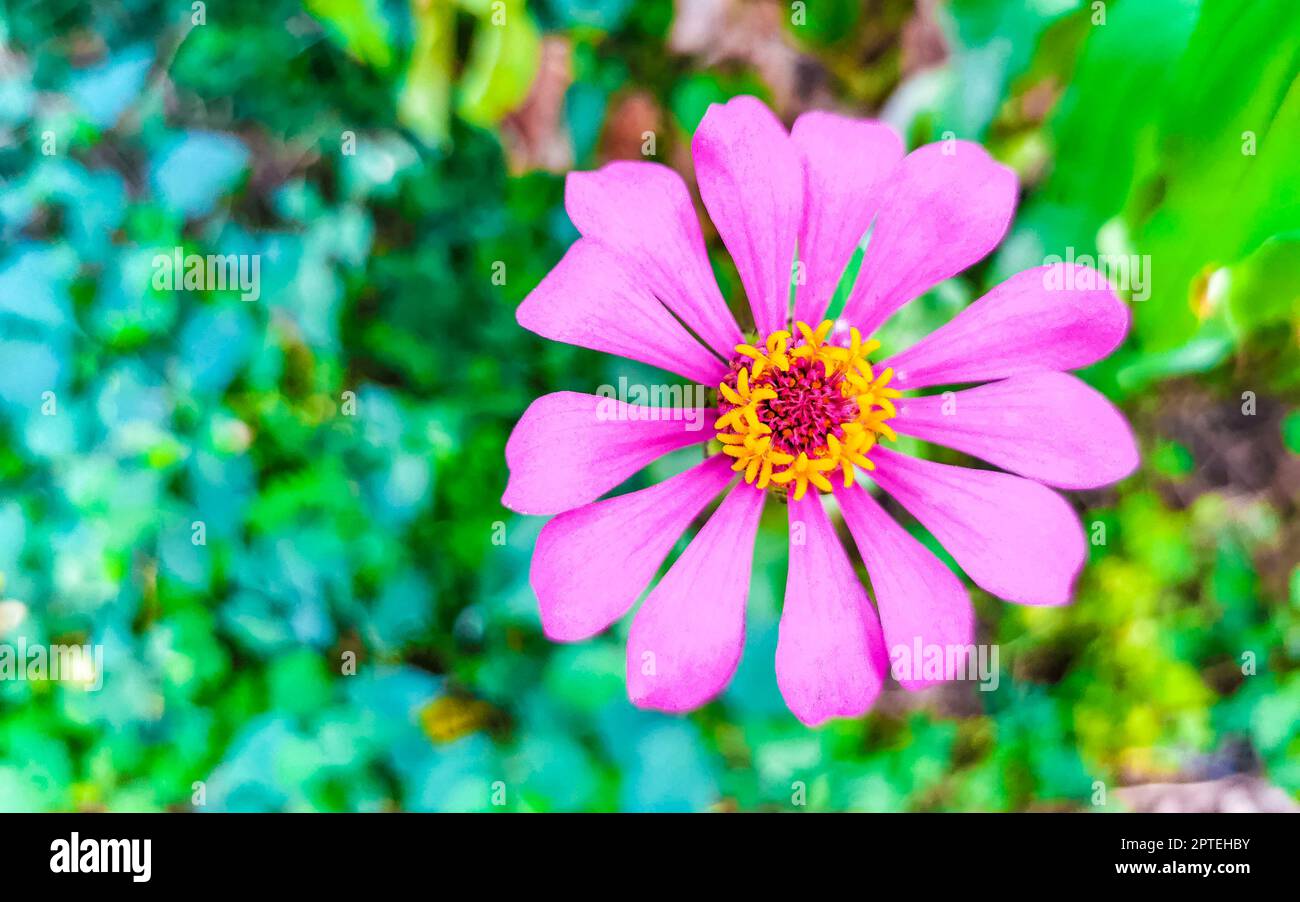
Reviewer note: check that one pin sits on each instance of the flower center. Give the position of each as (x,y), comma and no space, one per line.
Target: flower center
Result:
(796,408)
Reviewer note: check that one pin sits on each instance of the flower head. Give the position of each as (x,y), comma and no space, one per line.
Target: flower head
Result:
(805,412)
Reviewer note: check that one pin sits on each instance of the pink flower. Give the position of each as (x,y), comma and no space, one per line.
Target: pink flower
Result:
(803,407)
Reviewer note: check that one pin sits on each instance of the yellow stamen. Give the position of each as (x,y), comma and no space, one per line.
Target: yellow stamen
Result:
(746,428)
(806,470)
(853,360)
(743,397)
(852,451)
(815,348)
(753,451)
(776,355)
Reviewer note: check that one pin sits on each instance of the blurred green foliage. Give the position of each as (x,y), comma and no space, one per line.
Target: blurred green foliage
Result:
(340,439)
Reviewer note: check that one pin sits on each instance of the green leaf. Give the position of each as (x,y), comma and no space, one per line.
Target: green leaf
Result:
(425,102)
(1121,82)
(1264,288)
(1173,459)
(502,65)
(1291,434)
(359,26)
(992,43)
(1226,151)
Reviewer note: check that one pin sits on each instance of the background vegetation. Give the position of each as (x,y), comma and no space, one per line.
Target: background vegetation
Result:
(1167,128)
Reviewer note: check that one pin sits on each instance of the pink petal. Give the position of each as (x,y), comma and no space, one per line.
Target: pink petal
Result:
(943,212)
(1025,324)
(830,656)
(570,448)
(686,639)
(923,605)
(643,212)
(591,564)
(751,181)
(1049,427)
(846,164)
(1013,537)
(592,300)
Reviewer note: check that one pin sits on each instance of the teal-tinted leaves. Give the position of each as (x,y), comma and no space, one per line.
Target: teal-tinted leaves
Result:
(196,169)
(106,90)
